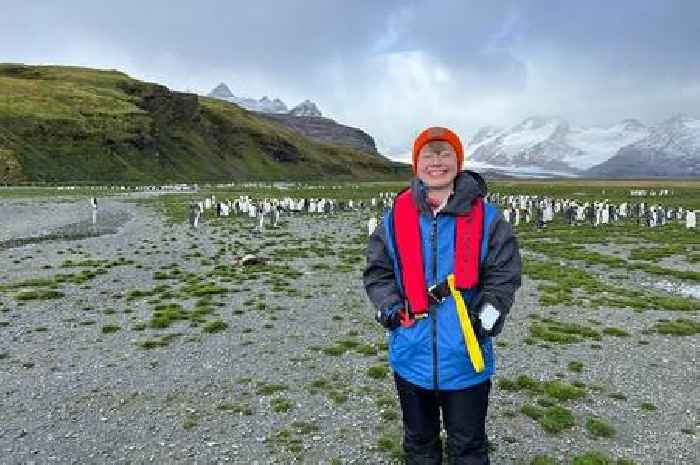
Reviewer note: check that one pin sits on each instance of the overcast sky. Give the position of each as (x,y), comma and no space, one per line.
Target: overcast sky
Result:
(389,67)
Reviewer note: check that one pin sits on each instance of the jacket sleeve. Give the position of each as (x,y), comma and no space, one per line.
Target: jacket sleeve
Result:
(501,272)
(379,278)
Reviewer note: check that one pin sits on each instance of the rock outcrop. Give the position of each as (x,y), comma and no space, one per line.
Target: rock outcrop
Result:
(305,108)
(323,129)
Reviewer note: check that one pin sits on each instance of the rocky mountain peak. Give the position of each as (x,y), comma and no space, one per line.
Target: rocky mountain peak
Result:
(306,108)
(221,91)
(265,104)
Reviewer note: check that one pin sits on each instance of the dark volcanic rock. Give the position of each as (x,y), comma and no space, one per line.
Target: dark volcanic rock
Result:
(277,148)
(325,130)
(164,105)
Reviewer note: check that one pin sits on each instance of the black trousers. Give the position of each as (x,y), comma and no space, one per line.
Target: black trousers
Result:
(464,415)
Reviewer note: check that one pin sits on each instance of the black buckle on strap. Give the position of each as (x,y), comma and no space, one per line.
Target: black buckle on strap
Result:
(438,293)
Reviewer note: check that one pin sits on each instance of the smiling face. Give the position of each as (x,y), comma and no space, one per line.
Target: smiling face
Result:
(437,165)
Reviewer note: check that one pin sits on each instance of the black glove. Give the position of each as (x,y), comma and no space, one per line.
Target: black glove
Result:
(389,318)
(476,325)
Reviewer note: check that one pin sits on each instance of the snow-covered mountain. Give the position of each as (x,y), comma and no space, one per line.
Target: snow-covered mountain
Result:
(598,144)
(305,108)
(265,104)
(671,149)
(552,144)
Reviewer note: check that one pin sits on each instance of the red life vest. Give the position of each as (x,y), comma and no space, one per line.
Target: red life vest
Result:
(468,236)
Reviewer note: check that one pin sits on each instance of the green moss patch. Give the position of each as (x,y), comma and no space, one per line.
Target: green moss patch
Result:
(553,419)
(39,294)
(281,405)
(378,371)
(550,330)
(599,428)
(679,327)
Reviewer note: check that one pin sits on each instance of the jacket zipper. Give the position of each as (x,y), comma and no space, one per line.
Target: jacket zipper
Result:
(433,311)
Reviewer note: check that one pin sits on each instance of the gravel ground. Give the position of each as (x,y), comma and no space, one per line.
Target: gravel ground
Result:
(71,394)
(676,262)
(638,279)
(20,217)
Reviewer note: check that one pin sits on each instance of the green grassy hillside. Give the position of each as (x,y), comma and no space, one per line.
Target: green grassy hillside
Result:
(68,124)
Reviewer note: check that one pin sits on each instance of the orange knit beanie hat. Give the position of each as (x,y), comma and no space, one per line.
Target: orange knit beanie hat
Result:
(438,133)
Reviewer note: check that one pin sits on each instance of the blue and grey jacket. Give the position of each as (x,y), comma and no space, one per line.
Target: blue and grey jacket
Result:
(431,353)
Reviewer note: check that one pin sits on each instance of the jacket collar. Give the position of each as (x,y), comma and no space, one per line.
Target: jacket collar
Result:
(468,185)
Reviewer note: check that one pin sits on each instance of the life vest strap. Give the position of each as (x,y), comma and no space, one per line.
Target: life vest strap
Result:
(408,242)
(470,340)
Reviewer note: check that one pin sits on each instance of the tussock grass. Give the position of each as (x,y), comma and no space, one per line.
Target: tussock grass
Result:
(390,443)
(379,371)
(679,327)
(334,351)
(332,390)
(35,284)
(575,366)
(163,341)
(553,419)
(599,458)
(599,428)
(617,332)
(557,391)
(550,330)
(191,422)
(543,460)
(264,389)
(648,406)
(40,294)
(215,326)
(563,391)
(281,405)
(288,441)
(304,427)
(109,329)
(165,315)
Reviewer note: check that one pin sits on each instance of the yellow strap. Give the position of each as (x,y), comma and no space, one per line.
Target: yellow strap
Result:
(470,340)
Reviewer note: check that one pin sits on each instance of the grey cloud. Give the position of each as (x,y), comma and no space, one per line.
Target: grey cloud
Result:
(273,35)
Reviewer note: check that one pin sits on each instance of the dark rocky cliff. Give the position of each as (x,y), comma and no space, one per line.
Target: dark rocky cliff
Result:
(325,130)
